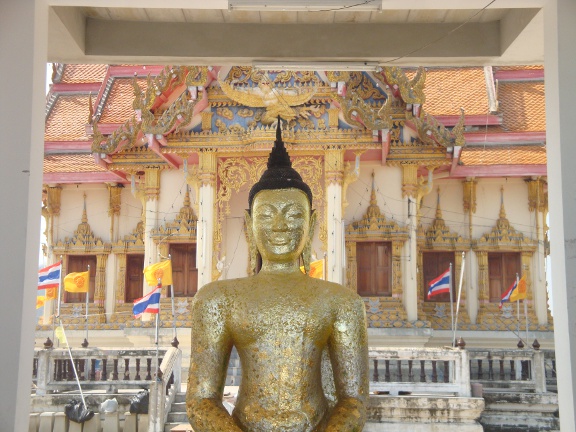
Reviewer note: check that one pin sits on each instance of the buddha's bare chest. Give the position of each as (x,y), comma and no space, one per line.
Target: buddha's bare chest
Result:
(281,321)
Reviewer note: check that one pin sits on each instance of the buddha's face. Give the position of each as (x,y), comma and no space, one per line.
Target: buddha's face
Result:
(280,223)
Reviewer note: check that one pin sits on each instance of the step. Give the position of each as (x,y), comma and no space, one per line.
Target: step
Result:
(180,397)
(177,417)
(178,407)
(177,426)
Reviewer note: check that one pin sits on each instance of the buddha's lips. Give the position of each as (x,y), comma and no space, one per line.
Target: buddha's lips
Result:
(279,240)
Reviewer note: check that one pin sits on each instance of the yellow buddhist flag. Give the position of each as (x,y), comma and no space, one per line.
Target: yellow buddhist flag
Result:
(40,301)
(77,282)
(520,292)
(161,270)
(316,269)
(50,293)
(60,335)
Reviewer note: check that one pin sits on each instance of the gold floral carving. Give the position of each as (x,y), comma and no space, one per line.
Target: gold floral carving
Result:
(178,113)
(197,76)
(362,85)
(409,179)
(333,166)
(206,120)
(362,114)
(246,74)
(114,199)
(125,137)
(537,198)
(225,113)
(469,200)
(431,132)
(411,91)
(131,243)
(121,280)
(152,183)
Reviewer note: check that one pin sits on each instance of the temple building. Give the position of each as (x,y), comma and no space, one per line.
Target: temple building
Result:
(413,171)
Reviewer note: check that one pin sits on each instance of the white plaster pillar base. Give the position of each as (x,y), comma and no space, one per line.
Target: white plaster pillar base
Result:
(205,234)
(334,271)
(411,269)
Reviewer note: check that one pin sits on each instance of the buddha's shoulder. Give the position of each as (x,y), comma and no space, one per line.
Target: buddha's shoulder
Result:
(336,290)
(220,289)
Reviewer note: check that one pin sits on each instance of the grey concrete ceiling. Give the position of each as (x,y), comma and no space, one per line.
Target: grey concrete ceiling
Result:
(403,32)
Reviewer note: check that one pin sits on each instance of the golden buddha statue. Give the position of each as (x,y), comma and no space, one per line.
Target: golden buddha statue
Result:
(282,323)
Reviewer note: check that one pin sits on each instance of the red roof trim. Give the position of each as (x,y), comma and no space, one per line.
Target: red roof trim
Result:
(470,120)
(505,137)
(77,146)
(499,171)
(76,87)
(520,75)
(84,177)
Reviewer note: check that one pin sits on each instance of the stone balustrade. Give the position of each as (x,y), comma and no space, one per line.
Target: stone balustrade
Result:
(515,369)
(104,369)
(420,370)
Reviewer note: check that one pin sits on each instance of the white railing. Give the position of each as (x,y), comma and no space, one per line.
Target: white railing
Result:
(106,369)
(519,369)
(163,390)
(420,370)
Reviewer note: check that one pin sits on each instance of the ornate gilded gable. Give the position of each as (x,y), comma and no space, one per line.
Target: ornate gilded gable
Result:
(133,242)
(375,225)
(183,228)
(504,236)
(83,240)
(439,237)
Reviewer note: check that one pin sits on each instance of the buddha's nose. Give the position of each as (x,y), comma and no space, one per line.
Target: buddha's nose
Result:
(279,223)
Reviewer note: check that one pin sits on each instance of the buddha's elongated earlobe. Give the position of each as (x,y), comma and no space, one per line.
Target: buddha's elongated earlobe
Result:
(307,252)
(252,249)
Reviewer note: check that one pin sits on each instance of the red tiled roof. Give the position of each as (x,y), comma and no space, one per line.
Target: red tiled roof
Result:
(522,106)
(509,155)
(118,107)
(449,89)
(524,67)
(77,73)
(68,118)
(65,163)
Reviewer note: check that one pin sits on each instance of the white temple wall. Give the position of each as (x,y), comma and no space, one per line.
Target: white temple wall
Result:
(72,205)
(234,245)
(172,193)
(130,212)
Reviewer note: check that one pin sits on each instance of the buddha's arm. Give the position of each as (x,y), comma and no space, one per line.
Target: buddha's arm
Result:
(210,352)
(349,356)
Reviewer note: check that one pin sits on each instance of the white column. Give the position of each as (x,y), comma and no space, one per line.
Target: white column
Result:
(333,175)
(560,69)
(205,235)
(472,286)
(23,36)
(111,285)
(411,265)
(150,248)
(206,216)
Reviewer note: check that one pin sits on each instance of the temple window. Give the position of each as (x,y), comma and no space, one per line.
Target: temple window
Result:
(80,263)
(434,264)
(502,270)
(374,268)
(134,277)
(184,271)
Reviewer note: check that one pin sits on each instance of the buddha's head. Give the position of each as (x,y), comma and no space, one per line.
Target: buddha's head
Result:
(280,220)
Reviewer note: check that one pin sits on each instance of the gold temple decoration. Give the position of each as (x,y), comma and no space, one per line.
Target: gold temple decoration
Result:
(411,90)
(84,242)
(125,137)
(182,229)
(374,226)
(537,198)
(278,101)
(434,133)
(114,205)
(179,113)
(359,113)
(439,238)
(51,209)
(152,183)
(502,238)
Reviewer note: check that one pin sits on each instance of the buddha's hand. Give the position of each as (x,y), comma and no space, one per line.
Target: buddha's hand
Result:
(348,415)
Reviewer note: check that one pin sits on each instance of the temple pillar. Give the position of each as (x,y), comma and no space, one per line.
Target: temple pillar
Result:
(537,204)
(560,67)
(206,217)
(114,206)
(409,192)
(471,268)
(51,213)
(333,176)
(150,202)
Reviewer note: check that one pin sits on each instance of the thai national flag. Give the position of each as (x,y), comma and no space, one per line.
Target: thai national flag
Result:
(508,293)
(150,303)
(49,277)
(440,285)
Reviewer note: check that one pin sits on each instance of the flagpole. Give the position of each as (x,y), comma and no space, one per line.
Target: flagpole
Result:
(157,325)
(172,301)
(85,343)
(451,305)
(58,300)
(459,292)
(526,318)
(518,312)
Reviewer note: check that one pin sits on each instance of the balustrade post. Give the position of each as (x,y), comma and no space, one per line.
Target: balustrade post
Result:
(463,374)
(126,369)
(375,376)
(538,372)
(44,371)
(422,371)
(434,372)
